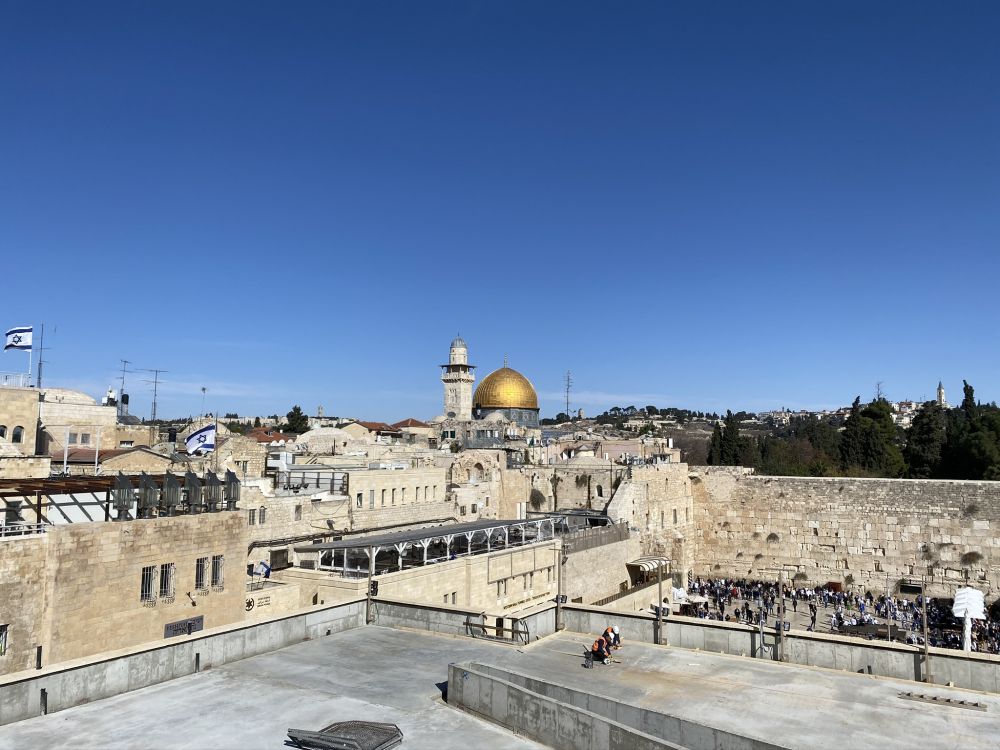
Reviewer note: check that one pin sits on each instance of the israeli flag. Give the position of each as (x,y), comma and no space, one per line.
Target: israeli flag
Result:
(19,338)
(202,441)
(262,569)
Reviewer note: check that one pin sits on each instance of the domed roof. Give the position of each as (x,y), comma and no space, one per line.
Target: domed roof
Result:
(458,342)
(505,389)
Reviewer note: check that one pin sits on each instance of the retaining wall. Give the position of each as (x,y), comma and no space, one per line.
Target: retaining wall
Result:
(80,681)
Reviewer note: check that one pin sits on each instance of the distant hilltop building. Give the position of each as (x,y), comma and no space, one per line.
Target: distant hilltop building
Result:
(942,402)
(501,413)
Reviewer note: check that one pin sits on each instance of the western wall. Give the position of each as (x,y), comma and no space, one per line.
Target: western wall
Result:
(861,532)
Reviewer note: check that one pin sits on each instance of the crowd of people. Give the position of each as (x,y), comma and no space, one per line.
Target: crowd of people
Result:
(755,602)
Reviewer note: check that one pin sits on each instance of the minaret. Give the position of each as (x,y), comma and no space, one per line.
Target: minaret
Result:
(457,377)
(940,396)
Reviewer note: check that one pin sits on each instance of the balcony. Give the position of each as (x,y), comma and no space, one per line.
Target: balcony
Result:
(18,530)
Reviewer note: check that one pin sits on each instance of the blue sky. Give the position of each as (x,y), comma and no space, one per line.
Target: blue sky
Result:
(706,205)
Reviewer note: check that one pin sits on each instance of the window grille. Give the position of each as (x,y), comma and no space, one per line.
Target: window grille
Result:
(218,562)
(201,574)
(167,582)
(146,593)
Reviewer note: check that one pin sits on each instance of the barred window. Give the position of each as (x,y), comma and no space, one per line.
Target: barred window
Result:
(263,512)
(218,561)
(167,581)
(201,573)
(252,515)
(146,593)
(3,639)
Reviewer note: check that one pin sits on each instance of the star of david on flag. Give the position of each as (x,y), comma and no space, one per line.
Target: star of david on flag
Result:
(201,441)
(19,338)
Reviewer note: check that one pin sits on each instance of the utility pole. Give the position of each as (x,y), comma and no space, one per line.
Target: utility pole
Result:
(156,382)
(559,593)
(368,600)
(569,383)
(41,351)
(927,641)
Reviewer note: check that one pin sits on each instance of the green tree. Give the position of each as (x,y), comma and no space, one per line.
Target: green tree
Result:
(969,406)
(731,440)
(715,447)
(851,442)
(925,441)
(256,421)
(298,422)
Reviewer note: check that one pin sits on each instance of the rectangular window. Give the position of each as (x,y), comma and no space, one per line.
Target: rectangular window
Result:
(73,438)
(427,494)
(383,498)
(371,498)
(474,507)
(201,573)
(298,512)
(3,639)
(417,493)
(524,582)
(454,597)
(85,438)
(499,588)
(360,500)
(393,495)
(146,593)
(462,510)
(252,516)
(435,495)
(402,495)
(167,581)
(126,443)
(263,512)
(675,516)
(218,561)
(686,516)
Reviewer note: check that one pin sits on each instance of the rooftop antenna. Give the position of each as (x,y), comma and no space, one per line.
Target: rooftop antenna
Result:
(121,390)
(569,383)
(156,382)
(41,351)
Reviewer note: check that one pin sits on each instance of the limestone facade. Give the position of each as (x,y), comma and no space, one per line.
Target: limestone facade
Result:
(18,409)
(497,583)
(865,532)
(77,590)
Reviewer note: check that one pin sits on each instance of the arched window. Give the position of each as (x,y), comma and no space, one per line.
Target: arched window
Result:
(18,435)
(600,491)
(3,430)
(262,513)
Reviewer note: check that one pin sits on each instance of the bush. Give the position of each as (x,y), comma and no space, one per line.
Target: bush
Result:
(971,558)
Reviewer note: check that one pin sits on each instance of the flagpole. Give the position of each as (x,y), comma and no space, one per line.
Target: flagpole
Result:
(41,348)
(31,356)
(216,451)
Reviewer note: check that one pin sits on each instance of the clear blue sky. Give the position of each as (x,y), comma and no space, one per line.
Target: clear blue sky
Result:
(708,205)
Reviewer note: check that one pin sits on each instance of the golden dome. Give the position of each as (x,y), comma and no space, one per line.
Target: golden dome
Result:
(505,389)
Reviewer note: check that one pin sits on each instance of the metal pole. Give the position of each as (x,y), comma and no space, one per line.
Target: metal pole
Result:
(41,349)
(659,603)
(927,646)
(559,577)
(368,593)
(66,451)
(97,450)
(781,615)
(888,611)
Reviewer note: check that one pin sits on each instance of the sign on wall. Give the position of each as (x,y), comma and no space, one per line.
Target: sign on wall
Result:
(184,627)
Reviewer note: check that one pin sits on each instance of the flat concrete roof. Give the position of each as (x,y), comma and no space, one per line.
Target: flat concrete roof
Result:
(789,705)
(368,674)
(385,675)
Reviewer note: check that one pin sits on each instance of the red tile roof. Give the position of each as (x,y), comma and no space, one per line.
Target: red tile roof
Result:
(410,422)
(377,426)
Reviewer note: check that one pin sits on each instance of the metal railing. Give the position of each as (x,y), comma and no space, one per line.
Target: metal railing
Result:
(22,529)
(15,380)
(623,594)
(578,541)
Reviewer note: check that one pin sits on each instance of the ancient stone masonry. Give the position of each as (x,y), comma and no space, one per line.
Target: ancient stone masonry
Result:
(861,532)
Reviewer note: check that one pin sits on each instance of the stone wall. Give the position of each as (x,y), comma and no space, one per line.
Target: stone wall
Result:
(22,598)
(93,572)
(25,467)
(598,572)
(19,408)
(657,502)
(852,531)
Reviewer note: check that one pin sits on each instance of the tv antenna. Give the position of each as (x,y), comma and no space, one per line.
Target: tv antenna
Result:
(155,383)
(569,383)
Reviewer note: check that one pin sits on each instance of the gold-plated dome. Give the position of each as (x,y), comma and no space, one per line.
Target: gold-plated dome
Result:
(505,389)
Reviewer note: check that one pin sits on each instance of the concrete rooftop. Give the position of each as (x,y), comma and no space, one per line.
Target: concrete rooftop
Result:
(369,674)
(379,674)
(789,705)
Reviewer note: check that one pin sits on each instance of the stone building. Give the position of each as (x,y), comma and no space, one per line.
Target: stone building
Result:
(502,412)
(73,589)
